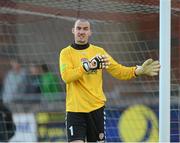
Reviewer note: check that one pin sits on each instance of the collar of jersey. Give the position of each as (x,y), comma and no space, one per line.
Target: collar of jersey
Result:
(79,47)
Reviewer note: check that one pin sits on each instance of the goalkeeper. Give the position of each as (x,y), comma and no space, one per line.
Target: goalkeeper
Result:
(81,66)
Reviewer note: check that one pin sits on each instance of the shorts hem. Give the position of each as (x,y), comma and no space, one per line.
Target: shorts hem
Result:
(70,140)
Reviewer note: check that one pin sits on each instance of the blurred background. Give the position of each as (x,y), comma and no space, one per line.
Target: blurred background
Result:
(32,34)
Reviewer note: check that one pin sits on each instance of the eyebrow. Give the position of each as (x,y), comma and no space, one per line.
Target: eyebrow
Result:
(82,27)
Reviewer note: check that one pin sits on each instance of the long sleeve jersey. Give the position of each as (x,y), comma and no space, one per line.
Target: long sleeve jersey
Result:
(84,92)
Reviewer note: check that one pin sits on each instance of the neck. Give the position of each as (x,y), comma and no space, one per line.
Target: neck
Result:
(79,46)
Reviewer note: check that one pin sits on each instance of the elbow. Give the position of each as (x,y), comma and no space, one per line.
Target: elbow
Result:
(70,76)
(65,79)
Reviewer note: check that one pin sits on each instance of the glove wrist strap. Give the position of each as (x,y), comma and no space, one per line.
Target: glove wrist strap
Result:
(86,66)
(139,70)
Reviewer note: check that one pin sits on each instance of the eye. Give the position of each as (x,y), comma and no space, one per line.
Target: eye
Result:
(85,28)
(78,28)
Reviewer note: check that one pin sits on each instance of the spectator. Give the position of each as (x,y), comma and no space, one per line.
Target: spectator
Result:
(13,85)
(33,83)
(50,87)
(7,125)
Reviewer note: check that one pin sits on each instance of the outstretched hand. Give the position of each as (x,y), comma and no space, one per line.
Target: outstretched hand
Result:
(149,67)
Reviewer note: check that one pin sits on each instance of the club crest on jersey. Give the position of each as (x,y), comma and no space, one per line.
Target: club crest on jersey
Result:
(84,60)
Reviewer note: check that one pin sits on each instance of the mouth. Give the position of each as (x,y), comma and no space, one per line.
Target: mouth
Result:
(81,36)
(81,40)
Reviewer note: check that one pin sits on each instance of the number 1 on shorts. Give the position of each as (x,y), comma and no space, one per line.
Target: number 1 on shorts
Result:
(71,130)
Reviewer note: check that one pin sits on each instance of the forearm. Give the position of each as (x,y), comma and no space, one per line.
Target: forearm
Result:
(70,75)
(122,72)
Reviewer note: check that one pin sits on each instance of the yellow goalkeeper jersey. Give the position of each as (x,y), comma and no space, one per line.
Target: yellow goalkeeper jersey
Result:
(84,92)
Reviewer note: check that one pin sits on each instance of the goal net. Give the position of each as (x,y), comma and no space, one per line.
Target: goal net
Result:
(33,32)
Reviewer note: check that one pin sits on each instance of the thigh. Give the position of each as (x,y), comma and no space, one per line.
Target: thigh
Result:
(95,125)
(75,126)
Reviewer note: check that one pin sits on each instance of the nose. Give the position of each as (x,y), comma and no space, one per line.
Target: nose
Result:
(81,31)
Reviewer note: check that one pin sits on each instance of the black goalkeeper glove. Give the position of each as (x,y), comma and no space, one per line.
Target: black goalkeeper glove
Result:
(97,62)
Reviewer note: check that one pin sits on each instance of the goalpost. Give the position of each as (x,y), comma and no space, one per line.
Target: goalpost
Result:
(165,58)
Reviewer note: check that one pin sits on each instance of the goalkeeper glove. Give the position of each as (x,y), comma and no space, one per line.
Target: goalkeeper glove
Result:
(149,67)
(97,62)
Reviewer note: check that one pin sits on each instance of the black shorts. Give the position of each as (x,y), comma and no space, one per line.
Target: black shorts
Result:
(86,126)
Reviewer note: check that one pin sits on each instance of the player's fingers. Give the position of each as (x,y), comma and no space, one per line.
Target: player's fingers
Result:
(155,70)
(105,65)
(153,73)
(147,62)
(100,58)
(108,63)
(105,57)
(155,63)
(156,66)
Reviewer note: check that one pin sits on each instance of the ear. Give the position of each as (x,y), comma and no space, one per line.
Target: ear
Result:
(73,30)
